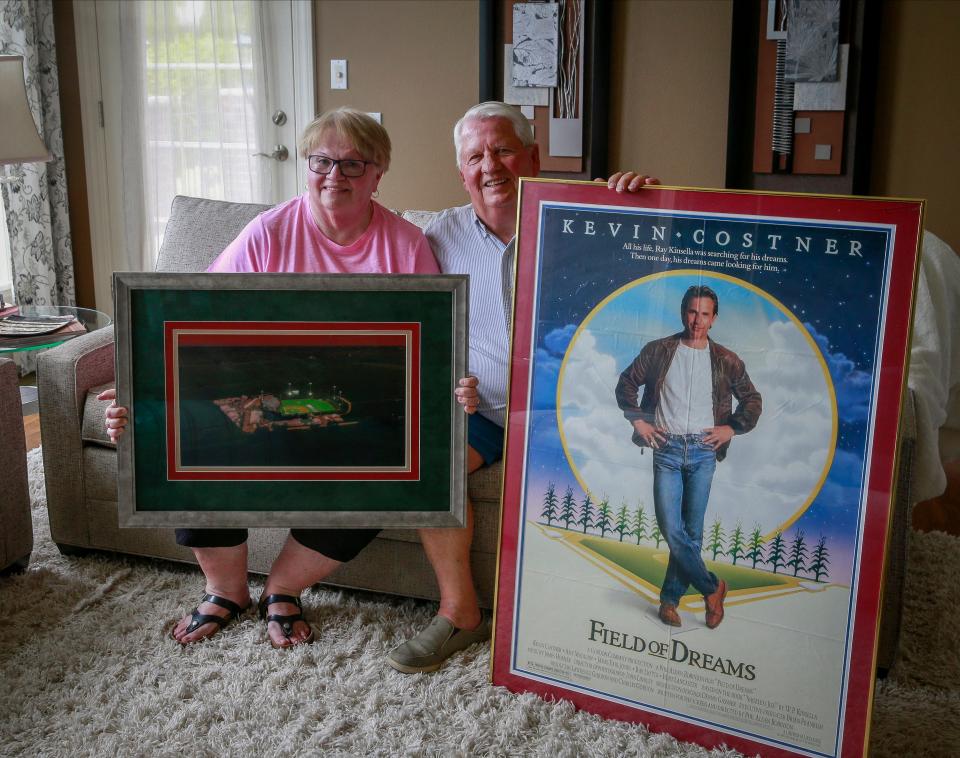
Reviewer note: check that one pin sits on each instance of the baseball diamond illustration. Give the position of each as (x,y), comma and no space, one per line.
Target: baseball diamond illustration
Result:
(599,536)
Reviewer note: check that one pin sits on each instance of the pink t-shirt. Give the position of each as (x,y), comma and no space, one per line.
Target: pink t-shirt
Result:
(287,239)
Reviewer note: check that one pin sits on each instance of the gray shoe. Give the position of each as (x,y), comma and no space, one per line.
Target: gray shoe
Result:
(429,649)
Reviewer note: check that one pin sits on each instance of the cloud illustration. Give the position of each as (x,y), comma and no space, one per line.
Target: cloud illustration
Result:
(557,340)
(852,385)
(548,359)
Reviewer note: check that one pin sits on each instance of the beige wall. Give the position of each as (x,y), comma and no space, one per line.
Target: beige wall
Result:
(669,89)
(416,62)
(917,142)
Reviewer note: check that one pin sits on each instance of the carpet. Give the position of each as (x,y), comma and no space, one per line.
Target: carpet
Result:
(87,670)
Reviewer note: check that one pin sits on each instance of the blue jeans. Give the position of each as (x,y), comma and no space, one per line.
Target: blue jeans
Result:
(682,474)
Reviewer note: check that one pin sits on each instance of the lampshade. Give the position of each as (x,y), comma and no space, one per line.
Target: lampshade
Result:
(19,141)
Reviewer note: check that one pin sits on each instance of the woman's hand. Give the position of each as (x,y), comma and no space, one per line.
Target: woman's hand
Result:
(115,416)
(467,394)
(628,181)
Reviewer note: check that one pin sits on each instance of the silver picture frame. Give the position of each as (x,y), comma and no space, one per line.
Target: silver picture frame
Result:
(274,455)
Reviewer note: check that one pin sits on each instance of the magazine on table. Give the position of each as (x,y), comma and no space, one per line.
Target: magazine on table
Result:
(27,331)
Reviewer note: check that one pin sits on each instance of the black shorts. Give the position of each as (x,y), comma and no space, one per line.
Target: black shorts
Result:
(339,544)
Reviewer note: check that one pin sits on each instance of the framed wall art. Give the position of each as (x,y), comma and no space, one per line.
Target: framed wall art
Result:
(552,61)
(700,457)
(802,95)
(291,399)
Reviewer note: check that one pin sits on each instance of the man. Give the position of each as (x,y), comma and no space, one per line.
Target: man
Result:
(495,148)
(686,415)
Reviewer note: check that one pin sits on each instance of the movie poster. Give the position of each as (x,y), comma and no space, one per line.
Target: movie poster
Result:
(703,412)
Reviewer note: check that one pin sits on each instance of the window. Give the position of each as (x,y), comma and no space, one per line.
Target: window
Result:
(202,95)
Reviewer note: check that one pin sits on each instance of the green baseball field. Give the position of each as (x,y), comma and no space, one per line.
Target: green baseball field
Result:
(648,565)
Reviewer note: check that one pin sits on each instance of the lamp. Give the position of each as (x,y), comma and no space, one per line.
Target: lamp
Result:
(19,142)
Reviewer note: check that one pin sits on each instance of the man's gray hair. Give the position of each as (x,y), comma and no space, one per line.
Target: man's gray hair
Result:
(494,109)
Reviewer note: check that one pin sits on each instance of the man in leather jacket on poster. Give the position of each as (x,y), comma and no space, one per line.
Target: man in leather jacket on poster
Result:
(686,416)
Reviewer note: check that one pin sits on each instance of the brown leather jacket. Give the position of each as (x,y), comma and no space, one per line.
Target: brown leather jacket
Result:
(730,380)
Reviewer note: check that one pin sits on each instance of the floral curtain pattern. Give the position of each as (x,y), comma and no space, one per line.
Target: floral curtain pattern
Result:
(36,205)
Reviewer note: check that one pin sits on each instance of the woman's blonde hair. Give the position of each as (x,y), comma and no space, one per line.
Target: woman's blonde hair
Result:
(368,137)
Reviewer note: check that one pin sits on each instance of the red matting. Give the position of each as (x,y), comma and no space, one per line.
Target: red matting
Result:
(178,334)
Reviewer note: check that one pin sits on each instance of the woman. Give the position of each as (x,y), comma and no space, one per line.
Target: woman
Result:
(334,227)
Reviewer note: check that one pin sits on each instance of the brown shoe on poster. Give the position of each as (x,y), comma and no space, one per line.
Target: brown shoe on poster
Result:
(714,603)
(668,614)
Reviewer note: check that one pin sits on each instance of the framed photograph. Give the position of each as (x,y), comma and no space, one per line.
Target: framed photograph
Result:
(291,399)
(700,458)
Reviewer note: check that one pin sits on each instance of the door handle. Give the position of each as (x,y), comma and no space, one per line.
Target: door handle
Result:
(280,153)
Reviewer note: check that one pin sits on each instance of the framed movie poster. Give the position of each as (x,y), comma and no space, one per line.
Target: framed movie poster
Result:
(291,399)
(704,400)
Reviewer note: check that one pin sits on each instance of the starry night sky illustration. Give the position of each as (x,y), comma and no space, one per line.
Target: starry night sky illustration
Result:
(837,297)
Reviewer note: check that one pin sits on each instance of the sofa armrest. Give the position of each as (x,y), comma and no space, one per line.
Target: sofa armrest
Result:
(64,375)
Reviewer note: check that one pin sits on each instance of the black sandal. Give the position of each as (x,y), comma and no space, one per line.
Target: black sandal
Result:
(286,622)
(198,619)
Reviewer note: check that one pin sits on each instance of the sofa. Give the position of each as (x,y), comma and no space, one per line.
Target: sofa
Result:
(81,469)
(16,527)
(80,461)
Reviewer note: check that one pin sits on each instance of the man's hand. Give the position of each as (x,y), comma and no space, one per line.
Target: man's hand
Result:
(628,181)
(467,394)
(716,436)
(116,415)
(650,434)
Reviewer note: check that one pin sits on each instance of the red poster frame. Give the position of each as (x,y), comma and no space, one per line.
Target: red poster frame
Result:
(535,262)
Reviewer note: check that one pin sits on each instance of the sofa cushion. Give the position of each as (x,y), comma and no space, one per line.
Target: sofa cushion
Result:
(420,218)
(186,250)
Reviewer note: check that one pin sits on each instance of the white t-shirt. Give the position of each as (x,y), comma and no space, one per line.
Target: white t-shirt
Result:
(686,398)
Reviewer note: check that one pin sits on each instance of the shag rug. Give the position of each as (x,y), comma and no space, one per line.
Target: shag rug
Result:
(86,669)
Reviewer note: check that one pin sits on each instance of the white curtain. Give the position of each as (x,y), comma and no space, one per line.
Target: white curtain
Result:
(193,105)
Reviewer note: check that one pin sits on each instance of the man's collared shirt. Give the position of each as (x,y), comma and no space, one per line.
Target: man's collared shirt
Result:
(463,245)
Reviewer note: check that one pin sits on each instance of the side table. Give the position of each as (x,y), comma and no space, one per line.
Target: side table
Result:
(91,320)
(16,525)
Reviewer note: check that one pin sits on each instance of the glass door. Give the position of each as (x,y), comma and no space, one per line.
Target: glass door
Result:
(191,98)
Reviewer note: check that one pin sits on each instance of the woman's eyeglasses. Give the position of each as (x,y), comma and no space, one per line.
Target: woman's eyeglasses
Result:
(350,167)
